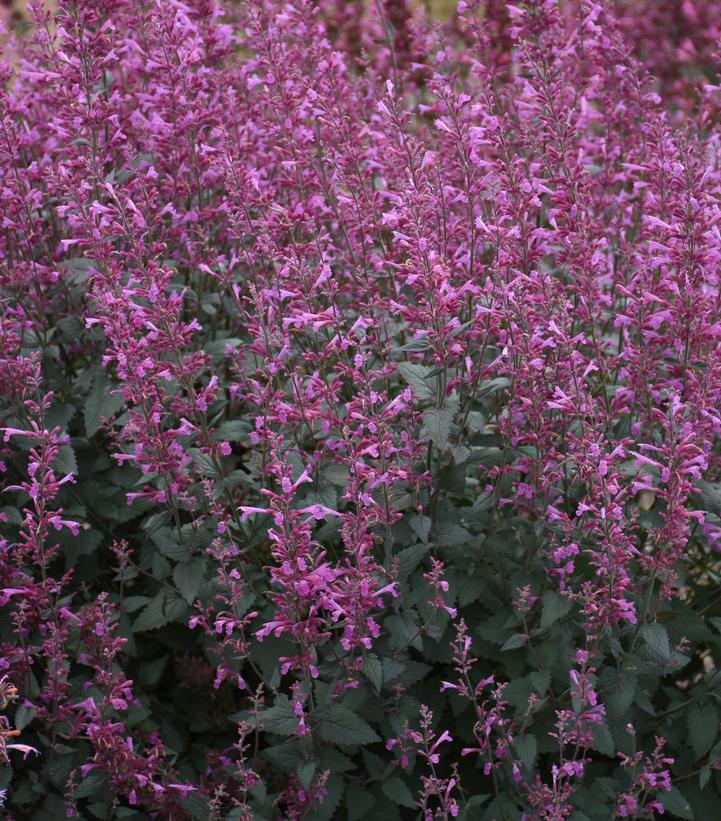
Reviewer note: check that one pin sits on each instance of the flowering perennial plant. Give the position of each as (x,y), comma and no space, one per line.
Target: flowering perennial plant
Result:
(360,428)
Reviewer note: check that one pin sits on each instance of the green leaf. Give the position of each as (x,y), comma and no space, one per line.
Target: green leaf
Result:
(541,680)
(409,558)
(101,403)
(526,747)
(603,741)
(150,672)
(133,603)
(65,462)
(711,495)
(513,642)
(398,792)
(675,803)
(554,607)
(91,784)
(306,771)
(234,430)
(392,668)
(13,515)
(325,808)
(196,805)
(415,375)
(359,801)
(71,328)
(335,761)
(205,463)
(415,345)
(155,521)
(716,621)
(437,424)
(166,541)
(188,578)
(339,725)
(656,639)
(474,807)
(23,716)
(421,526)
(373,670)
(152,616)
(279,719)
(175,607)
(703,722)
(374,765)
(160,566)
(491,386)
(403,629)
(286,756)
(620,691)
(704,777)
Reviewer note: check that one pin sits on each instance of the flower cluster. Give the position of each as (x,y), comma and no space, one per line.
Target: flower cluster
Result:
(360,374)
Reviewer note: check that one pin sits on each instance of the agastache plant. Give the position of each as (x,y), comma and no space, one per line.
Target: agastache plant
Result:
(360,366)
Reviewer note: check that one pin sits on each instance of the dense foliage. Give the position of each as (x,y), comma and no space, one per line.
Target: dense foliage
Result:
(360,398)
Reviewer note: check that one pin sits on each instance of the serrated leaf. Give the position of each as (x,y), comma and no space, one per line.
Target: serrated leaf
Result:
(196,805)
(416,345)
(421,526)
(101,403)
(526,747)
(656,639)
(409,558)
(326,807)
(285,756)
(335,761)
(675,803)
(12,515)
(152,617)
(205,463)
(150,672)
(234,430)
(703,722)
(711,495)
(554,607)
(491,386)
(155,521)
(373,670)
(305,772)
(513,642)
(620,688)
(398,792)
(716,621)
(188,578)
(392,668)
(65,462)
(603,741)
(437,424)
(403,629)
(160,566)
(71,327)
(413,672)
(704,777)
(339,725)
(176,608)
(133,603)
(91,784)
(166,541)
(359,800)
(541,680)
(23,716)
(415,375)
(375,766)
(279,719)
